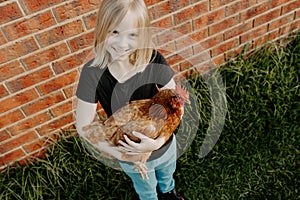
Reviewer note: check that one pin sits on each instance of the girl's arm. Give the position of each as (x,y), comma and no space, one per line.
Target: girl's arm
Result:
(170,85)
(85,114)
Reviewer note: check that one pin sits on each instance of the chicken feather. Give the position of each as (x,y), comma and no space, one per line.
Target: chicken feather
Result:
(156,117)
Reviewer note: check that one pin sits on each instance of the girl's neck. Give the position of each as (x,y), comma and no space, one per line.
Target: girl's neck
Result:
(122,71)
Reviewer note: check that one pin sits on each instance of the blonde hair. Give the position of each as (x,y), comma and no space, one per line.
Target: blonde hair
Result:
(110,15)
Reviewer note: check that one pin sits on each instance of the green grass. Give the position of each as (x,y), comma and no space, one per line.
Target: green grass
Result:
(256,157)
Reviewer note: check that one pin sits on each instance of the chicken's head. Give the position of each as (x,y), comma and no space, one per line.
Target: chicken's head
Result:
(182,97)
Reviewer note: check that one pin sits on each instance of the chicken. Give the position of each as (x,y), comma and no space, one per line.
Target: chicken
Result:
(155,117)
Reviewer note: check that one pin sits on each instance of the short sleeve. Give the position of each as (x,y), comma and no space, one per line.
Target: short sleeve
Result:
(87,85)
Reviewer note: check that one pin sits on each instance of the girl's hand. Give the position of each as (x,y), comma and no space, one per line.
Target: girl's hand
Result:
(146,145)
(108,150)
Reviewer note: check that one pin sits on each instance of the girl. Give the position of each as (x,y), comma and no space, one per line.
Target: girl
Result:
(126,68)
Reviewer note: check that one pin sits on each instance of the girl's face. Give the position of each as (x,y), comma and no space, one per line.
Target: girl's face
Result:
(122,41)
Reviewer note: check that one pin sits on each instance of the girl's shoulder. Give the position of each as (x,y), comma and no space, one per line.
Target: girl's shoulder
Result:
(158,58)
(90,69)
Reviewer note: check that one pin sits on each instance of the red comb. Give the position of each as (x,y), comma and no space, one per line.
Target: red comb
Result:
(180,90)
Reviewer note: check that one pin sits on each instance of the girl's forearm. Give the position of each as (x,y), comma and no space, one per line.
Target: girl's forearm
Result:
(85,113)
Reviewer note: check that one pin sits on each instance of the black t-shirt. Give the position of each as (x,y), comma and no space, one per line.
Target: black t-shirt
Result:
(97,84)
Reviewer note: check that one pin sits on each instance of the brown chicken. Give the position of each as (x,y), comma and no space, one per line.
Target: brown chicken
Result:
(155,117)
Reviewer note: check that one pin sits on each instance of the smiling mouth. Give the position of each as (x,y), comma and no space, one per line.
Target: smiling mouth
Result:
(120,52)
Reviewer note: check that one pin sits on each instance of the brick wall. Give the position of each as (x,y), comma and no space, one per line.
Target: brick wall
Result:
(43,42)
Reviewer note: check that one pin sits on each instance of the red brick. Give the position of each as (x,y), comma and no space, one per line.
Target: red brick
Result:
(167,36)
(29,122)
(174,59)
(223,25)
(231,54)
(186,53)
(281,21)
(200,58)
(185,28)
(3,91)
(258,42)
(9,12)
(75,8)
(199,34)
(179,4)
(295,25)
(285,30)
(56,124)
(39,154)
(62,109)
(292,6)
(214,4)
(10,157)
(222,48)
(167,48)
(211,42)
(3,40)
(183,42)
(10,70)
(218,60)
(161,9)
(60,33)
(71,62)
(43,103)
(199,49)
(82,41)
(59,82)
(29,26)
(165,7)
(273,35)
(151,2)
(176,68)
(297,14)
(253,11)
(90,20)
(32,6)
(254,33)
(163,22)
(191,13)
(17,49)
(10,118)
(265,18)
(211,17)
(70,90)
(225,2)
(30,79)
(238,30)
(46,56)
(17,100)
(185,65)
(232,9)
(35,145)
(247,4)
(17,142)
(4,135)
(277,3)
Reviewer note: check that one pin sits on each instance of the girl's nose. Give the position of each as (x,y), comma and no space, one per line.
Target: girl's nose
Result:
(123,42)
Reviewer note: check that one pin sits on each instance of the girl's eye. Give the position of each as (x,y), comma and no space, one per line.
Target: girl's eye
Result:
(115,32)
(133,35)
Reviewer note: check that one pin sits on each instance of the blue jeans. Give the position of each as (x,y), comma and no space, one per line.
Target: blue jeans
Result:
(160,172)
